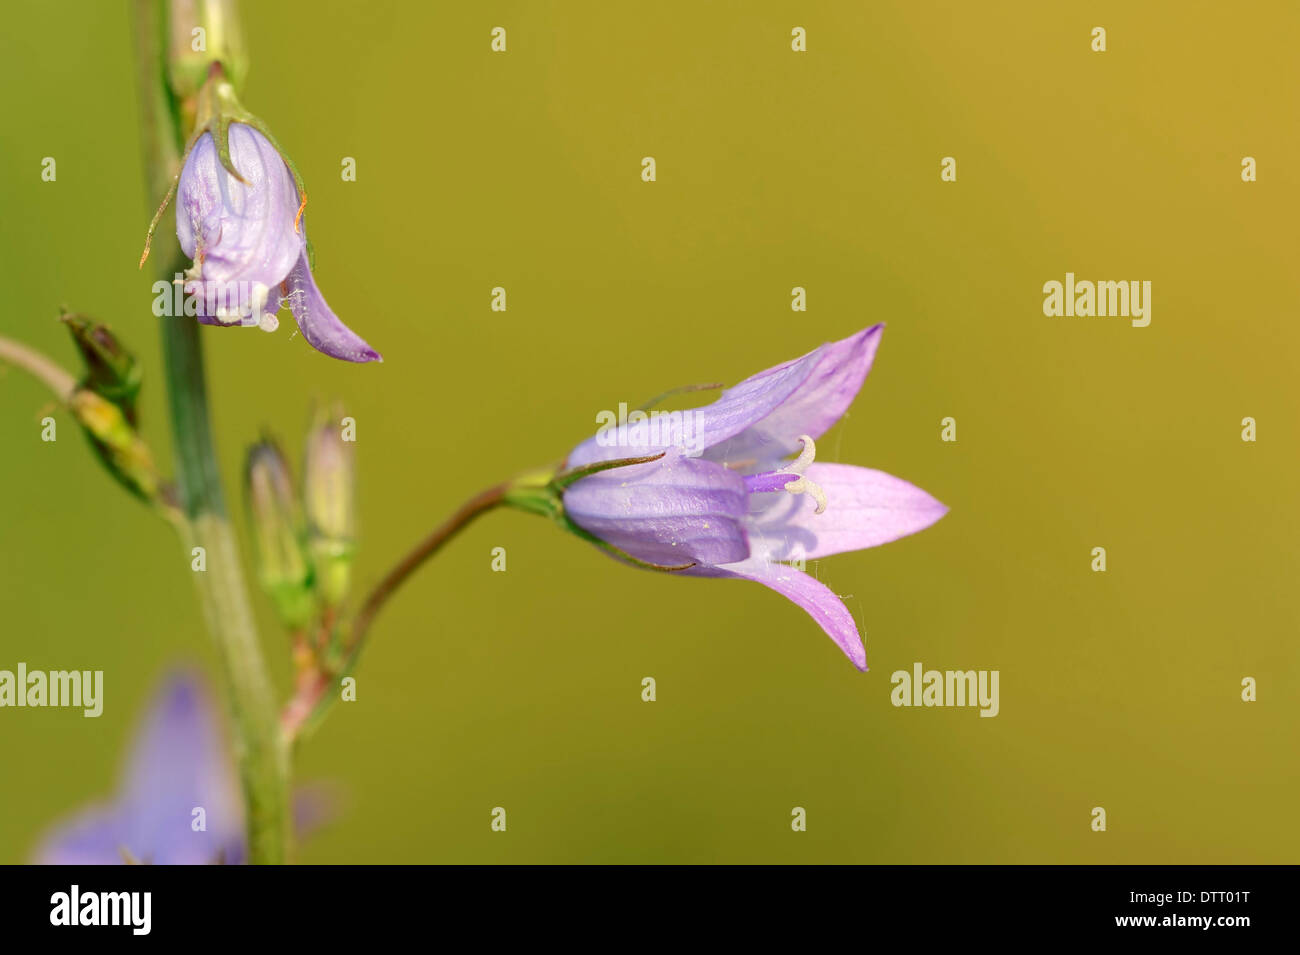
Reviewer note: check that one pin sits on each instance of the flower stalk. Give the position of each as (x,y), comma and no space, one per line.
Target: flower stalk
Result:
(39,367)
(263,757)
(312,700)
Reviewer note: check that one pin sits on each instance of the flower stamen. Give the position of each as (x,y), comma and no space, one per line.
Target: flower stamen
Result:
(778,480)
(803,485)
(807,455)
(812,489)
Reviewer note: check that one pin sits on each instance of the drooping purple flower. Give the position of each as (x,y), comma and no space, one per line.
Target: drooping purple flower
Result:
(249,245)
(178,764)
(726,499)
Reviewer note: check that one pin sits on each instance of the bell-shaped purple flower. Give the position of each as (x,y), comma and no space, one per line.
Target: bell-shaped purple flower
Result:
(737,490)
(178,764)
(249,245)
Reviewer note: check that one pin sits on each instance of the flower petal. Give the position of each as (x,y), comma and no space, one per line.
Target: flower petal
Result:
(242,233)
(830,379)
(179,764)
(809,593)
(865,508)
(673,511)
(92,838)
(319,325)
(762,417)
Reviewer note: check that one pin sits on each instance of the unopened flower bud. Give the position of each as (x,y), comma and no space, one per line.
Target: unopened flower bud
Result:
(328,494)
(117,443)
(276,524)
(239,208)
(111,371)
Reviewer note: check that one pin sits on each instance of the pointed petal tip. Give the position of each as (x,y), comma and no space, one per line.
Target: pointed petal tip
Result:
(937,512)
(363,356)
(870,332)
(182,691)
(857,655)
(317,321)
(808,593)
(873,334)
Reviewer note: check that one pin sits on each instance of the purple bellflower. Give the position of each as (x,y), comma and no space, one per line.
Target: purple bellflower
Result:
(239,205)
(178,764)
(733,489)
(249,245)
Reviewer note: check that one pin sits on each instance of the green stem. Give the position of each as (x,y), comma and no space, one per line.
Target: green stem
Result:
(260,746)
(39,367)
(313,699)
(263,755)
(476,506)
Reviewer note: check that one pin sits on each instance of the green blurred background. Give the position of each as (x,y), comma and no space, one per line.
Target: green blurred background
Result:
(775,169)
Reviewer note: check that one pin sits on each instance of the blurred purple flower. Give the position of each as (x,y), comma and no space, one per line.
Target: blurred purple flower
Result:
(249,247)
(726,501)
(178,764)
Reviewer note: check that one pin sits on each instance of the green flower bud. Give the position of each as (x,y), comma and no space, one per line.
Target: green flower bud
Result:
(111,371)
(276,526)
(117,443)
(328,494)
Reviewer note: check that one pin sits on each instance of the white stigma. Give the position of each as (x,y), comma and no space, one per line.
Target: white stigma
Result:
(803,485)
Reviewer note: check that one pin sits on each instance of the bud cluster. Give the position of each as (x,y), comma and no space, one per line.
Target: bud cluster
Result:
(304,535)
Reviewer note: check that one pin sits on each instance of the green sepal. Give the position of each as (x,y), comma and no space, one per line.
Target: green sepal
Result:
(535,493)
(674,392)
(221,138)
(295,604)
(564,479)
